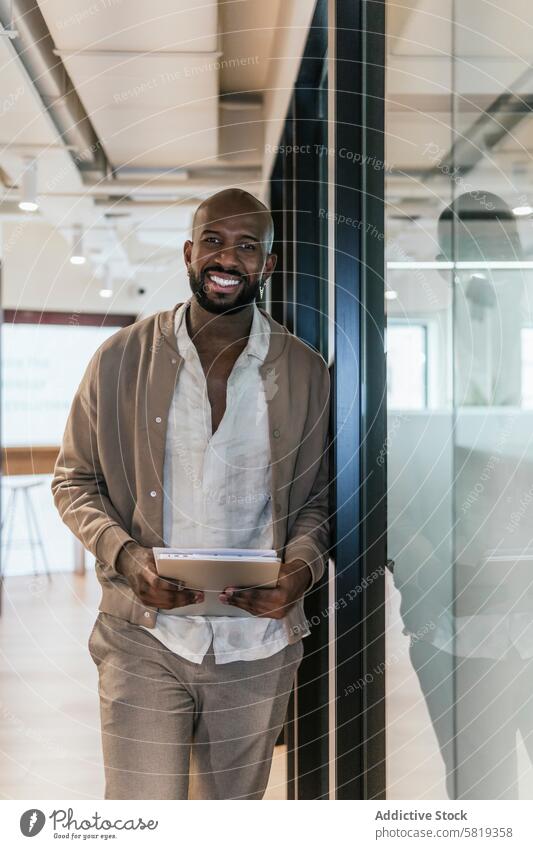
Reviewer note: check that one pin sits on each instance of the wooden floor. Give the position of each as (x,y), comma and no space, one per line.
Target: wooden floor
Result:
(49,716)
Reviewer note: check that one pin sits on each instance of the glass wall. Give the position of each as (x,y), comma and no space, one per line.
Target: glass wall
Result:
(459,242)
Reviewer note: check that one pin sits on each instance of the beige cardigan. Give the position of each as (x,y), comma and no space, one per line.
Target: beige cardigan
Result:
(108,479)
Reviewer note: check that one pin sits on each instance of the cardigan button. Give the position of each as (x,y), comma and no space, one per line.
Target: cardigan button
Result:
(153,493)
(275,433)
(147,614)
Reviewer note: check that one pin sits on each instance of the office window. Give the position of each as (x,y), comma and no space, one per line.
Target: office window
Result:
(407,379)
(42,365)
(44,356)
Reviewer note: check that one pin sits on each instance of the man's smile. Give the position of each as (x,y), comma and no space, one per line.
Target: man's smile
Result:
(222,281)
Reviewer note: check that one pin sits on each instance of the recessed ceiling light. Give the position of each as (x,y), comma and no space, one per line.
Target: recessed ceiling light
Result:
(77,257)
(28,201)
(522,210)
(106,290)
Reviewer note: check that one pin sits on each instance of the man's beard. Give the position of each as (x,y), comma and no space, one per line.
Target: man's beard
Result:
(246,296)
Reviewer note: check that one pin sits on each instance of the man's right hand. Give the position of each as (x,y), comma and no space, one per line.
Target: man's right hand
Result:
(137,564)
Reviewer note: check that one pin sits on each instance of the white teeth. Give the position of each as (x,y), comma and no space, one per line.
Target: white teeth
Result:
(223,281)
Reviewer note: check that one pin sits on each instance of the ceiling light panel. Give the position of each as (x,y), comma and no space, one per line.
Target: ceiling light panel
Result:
(149,79)
(131,24)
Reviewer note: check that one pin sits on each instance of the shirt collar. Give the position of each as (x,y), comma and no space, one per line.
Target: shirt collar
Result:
(258,340)
(185,345)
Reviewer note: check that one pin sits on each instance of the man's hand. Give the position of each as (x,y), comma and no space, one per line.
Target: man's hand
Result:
(294,579)
(137,564)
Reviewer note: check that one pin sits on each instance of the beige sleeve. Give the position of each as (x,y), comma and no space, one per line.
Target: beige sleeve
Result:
(309,536)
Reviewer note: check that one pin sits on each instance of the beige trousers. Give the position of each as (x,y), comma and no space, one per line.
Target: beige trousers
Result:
(172,729)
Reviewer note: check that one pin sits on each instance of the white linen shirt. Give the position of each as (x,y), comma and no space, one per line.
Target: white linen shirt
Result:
(217,491)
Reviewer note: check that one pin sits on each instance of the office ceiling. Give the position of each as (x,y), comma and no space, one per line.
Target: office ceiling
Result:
(459,94)
(173,95)
(147,81)
(480,56)
(168,100)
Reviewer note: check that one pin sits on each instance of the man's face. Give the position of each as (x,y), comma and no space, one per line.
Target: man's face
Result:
(227,260)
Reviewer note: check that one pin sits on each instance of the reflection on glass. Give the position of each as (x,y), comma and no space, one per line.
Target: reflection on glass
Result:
(459,192)
(478,230)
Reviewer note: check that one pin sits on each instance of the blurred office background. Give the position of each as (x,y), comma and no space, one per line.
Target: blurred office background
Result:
(115,122)
(459,243)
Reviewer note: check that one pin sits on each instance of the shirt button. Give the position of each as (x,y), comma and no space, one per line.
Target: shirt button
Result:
(158,419)
(173,361)
(153,493)
(275,433)
(147,614)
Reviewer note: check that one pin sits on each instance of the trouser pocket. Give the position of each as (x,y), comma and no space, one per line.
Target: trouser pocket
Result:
(93,636)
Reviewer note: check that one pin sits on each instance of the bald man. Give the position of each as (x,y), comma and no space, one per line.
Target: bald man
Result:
(201,426)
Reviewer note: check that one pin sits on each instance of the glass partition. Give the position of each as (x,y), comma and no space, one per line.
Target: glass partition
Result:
(459,201)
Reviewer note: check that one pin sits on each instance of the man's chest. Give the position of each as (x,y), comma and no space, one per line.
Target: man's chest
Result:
(215,373)
(236,402)
(221,479)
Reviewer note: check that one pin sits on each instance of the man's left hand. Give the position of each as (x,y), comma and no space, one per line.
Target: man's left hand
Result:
(293,580)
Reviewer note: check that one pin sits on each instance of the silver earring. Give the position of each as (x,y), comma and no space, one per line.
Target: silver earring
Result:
(263,286)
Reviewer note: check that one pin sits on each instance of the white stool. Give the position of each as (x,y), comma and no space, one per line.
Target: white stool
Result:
(34,541)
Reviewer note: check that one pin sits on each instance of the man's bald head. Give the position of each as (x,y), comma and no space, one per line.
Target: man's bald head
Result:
(230,203)
(229,260)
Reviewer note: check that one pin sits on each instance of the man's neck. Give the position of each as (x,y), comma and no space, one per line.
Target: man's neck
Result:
(211,333)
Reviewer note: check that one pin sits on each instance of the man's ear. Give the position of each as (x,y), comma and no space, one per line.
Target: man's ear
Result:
(187,251)
(270,265)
